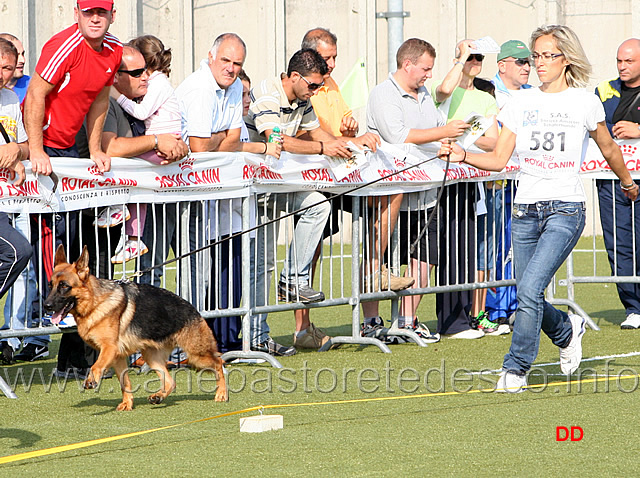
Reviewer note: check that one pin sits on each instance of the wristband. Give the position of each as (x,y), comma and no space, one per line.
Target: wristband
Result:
(155,147)
(458,62)
(265,147)
(627,187)
(465,156)
(321,148)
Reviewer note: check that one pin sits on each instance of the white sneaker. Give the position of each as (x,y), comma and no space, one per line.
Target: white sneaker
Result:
(131,249)
(632,322)
(503,329)
(510,382)
(571,355)
(112,216)
(466,334)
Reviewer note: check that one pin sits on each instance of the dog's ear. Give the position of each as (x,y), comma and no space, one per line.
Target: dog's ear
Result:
(61,257)
(82,264)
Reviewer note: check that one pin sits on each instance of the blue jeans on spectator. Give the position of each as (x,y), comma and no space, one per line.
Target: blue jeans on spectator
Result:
(544,234)
(306,236)
(257,263)
(492,221)
(297,266)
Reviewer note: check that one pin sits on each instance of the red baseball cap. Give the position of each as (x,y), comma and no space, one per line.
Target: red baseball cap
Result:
(89,4)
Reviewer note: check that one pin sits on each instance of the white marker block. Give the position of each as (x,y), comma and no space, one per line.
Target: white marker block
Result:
(261,423)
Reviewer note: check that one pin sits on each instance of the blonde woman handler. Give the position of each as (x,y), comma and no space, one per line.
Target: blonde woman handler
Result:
(548,127)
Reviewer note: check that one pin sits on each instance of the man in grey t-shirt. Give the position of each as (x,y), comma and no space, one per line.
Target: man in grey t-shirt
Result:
(401,110)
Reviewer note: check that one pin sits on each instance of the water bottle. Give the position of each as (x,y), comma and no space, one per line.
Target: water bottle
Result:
(275,136)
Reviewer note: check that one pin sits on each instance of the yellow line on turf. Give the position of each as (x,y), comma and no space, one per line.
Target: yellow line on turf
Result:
(99,441)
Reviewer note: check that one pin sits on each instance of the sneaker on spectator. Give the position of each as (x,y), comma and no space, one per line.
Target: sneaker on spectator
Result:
(485,324)
(313,339)
(272,347)
(420,329)
(632,322)
(424,333)
(176,360)
(136,359)
(31,352)
(131,249)
(386,281)
(298,293)
(112,216)
(571,355)
(7,354)
(183,363)
(370,329)
(510,382)
(503,329)
(466,334)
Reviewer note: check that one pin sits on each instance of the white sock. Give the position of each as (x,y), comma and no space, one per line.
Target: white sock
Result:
(301,333)
(404,321)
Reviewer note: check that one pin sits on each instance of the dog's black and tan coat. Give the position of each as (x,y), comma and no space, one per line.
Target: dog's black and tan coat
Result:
(118,319)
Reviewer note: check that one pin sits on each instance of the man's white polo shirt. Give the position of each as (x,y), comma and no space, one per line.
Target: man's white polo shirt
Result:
(205,107)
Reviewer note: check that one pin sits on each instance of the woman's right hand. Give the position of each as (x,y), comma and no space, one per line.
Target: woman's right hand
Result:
(456,153)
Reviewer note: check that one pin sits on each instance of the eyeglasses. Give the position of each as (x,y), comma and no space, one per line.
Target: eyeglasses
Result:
(137,73)
(312,86)
(520,61)
(475,56)
(546,57)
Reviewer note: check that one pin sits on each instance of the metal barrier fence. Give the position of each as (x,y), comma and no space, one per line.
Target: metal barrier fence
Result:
(354,246)
(177,228)
(616,259)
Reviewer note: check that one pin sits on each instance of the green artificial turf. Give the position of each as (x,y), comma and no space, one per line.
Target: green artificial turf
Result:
(473,433)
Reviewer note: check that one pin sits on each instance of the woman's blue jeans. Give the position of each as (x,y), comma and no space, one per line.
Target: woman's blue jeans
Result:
(543,235)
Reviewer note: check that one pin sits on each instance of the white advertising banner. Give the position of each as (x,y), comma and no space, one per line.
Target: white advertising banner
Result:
(77,183)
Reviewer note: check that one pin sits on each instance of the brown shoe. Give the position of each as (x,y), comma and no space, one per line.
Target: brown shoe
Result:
(313,339)
(387,281)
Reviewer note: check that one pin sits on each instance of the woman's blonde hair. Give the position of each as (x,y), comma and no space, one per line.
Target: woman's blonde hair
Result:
(579,69)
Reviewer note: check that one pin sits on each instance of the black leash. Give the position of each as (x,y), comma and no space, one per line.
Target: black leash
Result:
(435,209)
(293,213)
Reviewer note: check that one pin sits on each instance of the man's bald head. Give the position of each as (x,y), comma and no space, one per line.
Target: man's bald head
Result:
(628,62)
(131,78)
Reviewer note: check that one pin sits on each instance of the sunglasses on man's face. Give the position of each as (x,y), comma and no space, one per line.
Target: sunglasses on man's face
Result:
(137,73)
(520,61)
(312,86)
(476,56)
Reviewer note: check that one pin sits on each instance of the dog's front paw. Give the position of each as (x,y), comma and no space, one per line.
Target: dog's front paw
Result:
(125,407)
(90,383)
(221,396)
(155,398)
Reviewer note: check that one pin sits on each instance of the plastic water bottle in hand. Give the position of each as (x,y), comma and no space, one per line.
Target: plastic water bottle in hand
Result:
(274,137)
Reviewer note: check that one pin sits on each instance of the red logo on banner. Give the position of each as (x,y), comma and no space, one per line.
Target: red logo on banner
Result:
(628,150)
(400,163)
(94,170)
(187,163)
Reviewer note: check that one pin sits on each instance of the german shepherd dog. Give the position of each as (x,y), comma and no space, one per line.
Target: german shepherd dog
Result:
(118,319)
